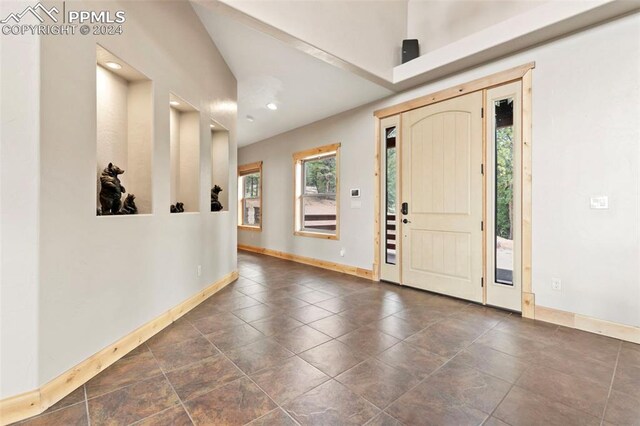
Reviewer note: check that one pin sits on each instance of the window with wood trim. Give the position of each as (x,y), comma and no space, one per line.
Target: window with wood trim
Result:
(317,186)
(250,196)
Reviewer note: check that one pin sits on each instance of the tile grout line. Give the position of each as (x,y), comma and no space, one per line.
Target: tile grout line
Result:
(86,403)
(170,384)
(613,377)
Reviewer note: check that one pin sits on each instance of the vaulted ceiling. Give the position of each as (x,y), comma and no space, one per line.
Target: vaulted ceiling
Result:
(317,58)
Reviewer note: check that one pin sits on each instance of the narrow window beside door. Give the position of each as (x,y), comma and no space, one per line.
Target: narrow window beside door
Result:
(250,196)
(504,206)
(390,195)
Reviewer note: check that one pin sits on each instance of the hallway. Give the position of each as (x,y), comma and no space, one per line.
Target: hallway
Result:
(288,343)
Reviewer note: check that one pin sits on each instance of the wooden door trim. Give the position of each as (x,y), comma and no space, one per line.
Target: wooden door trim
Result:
(487,82)
(523,73)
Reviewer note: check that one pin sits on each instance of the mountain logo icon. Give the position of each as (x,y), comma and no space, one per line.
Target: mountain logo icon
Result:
(38,11)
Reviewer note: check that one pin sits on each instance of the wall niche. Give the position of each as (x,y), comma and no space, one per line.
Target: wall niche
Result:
(219,165)
(124,108)
(184,125)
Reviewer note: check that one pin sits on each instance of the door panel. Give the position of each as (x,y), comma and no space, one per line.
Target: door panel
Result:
(442,183)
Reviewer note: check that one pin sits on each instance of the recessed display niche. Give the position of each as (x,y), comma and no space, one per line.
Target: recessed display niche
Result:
(219,167)
(124,123)
(184,125)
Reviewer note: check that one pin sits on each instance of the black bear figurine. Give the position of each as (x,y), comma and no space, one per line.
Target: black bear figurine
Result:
(111,190)
(129,205)
(216,206)
(177,208)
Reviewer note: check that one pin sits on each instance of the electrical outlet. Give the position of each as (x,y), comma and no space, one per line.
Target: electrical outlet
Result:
(199,270)
(556,284)
(342,251)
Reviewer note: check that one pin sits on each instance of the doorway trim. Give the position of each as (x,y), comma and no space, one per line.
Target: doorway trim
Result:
(523,73)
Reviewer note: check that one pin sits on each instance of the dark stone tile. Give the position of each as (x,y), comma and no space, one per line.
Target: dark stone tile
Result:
(202,377)
(572,391)
(301,338)
(331,404)
(203,310)
(445,338)
(483,315)
(601,348)
(256,312)
(622,409)
(492,361)
(315,296)
(468,385)
(215,322)
(74,415)
(175,416)
(332,358)
(421,316)
(183,353)
(492,421)
(308,313)
(368,341)
(235,303)
(511,344)
(179,331)
(289,380)
(426,406)
(236,403)
(73,398)
(630,354)
(542,332)
(234,337)
(124,372)
(261,354)
(132,403)
(627,379)
(378,382)
(526,408)
(371,312)
(287,303)
(417,361)
(275,418)
(252,289)
(334,305)
(397,327)
(275,325)
(574,363)
(383,419)
(334,326)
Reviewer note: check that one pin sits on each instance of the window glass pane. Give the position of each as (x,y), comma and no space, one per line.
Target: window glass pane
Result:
(251,184)
(390,195)
(319,213)
(504,191)
(320,176)
(251,214)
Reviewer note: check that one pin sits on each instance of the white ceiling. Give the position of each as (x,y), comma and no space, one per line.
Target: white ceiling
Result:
(304,88)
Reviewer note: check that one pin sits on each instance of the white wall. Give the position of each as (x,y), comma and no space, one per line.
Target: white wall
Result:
(586,104)
(366,33)
(438,23)
(174,143)
(102,277)
(19,209)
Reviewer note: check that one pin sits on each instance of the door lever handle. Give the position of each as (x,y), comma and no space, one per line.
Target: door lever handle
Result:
(406,221)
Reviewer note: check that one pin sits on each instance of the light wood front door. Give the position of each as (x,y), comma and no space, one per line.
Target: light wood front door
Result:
(442,187)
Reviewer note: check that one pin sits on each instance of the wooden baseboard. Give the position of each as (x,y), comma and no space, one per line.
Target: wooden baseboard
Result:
(590,324)
(332,266)
(32,403)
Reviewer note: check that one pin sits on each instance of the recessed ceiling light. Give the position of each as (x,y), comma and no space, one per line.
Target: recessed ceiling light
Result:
(212,125)
(272,106)
(113,65)
(250,118)
(174,103)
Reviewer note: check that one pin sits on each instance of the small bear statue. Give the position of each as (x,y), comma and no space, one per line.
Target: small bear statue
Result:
(111,190)
(129,205)
(177,208)
(216,206)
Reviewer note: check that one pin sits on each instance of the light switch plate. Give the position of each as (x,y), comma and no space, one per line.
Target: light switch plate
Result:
(600,202)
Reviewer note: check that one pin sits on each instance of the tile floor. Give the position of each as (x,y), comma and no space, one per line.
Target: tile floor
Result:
(289,344)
